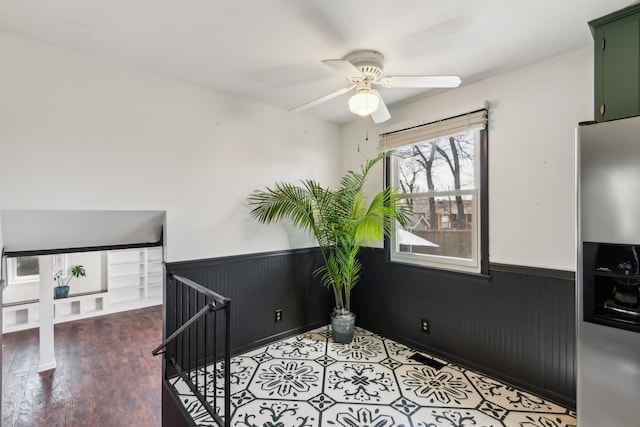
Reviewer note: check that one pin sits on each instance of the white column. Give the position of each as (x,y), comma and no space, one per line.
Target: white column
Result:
(47,355)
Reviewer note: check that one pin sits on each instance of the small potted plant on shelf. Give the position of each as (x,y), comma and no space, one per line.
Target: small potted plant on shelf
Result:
(61,289)
(340,220)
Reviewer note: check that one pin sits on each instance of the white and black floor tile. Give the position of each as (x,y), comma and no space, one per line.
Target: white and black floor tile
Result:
(310,381)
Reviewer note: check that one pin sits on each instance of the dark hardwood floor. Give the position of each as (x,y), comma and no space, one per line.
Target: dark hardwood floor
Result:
(105,374)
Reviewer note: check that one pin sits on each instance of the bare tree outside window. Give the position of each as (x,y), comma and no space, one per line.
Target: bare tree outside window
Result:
(439,178)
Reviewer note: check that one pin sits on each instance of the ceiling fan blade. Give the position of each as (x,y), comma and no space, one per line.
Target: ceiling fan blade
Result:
(382,113)
(420,81)
(322,99)
(345,67)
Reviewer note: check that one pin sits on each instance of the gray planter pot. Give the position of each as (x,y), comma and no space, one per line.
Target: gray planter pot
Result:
(343,323)
(61,291)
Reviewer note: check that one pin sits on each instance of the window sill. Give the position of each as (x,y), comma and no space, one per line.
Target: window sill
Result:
(443,271)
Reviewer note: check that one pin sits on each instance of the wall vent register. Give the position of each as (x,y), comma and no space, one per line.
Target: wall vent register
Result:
(612,285)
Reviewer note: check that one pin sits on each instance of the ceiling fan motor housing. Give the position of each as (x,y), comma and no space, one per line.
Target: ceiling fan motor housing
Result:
(362,68)
(369,62)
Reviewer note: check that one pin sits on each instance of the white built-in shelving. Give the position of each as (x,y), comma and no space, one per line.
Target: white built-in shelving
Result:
(134,279)
(27,315)
(20,316)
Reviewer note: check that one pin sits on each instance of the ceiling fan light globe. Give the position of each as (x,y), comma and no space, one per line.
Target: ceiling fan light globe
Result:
(363,103)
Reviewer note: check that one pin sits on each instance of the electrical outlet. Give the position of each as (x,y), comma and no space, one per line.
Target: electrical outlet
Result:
(425,326)
(278,315)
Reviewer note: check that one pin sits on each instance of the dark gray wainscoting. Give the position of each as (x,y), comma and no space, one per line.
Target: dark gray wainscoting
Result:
(258,284)
(517,324)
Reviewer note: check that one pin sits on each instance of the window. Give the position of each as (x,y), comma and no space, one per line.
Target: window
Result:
(27,269)
(23,269)
(438,168)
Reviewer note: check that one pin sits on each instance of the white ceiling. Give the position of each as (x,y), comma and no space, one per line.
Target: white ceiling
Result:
(270,50)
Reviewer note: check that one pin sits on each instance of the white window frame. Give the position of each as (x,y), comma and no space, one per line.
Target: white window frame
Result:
(59,261)
(12,270)
(466,265)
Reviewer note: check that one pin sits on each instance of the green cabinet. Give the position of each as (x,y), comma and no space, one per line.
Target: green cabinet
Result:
(617,64)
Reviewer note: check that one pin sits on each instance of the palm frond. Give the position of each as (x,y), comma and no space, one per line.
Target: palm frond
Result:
(353,181)
(331,277)
(340,220)
(323,201)
(374,222)
(283,201)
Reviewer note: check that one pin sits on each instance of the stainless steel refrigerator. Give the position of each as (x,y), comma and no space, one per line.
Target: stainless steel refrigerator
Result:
(608,274)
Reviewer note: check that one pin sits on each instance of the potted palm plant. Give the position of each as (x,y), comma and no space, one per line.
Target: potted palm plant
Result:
(341,220)
(61,290)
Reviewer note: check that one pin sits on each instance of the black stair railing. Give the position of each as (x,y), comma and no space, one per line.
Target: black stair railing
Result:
(193,344)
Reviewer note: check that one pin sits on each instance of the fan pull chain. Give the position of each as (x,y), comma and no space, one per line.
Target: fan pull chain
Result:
(366,130)
(358,121)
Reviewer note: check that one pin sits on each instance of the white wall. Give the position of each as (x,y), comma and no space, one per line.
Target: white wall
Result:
(105,136)
(94,281)
(533,112)
(110,137)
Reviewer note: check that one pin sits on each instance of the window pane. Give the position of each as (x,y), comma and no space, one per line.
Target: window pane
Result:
(27,266)
(439,226)
(440,182)
(440,165)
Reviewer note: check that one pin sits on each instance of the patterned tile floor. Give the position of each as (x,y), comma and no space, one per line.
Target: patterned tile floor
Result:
(308,381)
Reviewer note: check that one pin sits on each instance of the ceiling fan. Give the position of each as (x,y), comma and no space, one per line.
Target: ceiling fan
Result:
(362,69)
